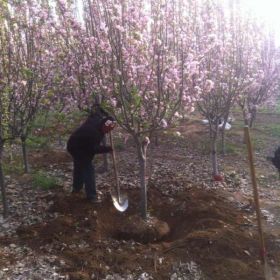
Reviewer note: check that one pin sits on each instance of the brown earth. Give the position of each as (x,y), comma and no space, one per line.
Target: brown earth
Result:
(204,227)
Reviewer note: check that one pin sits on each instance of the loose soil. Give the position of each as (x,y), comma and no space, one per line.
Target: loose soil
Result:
(204,227)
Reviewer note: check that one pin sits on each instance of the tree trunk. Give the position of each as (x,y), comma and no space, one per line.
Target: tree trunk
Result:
(245,117)
(60,141)
(24,155)
(251,122)
(11,155)
(246,123)
(223,135)
(142,173)
(214,156)
(141,152)
(2,183)
(156,139)
(213,138)
(223,142)
(253,115)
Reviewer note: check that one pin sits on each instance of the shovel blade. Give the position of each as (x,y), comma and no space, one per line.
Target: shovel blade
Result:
(120,202)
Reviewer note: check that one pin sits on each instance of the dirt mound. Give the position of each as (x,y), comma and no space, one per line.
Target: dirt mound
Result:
(143,231)
(197,225)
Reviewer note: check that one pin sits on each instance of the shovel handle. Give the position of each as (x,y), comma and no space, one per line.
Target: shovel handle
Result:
(115,165)
(255,191)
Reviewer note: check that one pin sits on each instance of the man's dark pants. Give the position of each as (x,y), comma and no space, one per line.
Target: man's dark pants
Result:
(84,174)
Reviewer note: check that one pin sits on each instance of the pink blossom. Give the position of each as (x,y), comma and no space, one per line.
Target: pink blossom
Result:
(163,123)
(209,85)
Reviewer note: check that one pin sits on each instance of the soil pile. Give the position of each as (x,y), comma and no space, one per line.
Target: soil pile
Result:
(197,225)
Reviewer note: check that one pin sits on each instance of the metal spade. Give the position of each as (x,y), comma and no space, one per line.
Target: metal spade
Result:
(120,201)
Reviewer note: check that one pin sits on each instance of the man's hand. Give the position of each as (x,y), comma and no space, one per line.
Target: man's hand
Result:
(108,126)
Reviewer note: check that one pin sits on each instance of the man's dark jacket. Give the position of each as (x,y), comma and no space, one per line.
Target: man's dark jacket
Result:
(85,141)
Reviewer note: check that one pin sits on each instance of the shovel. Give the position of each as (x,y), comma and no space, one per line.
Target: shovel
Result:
(120,201)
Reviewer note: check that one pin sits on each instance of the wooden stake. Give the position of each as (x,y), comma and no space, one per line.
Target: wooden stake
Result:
(256,199)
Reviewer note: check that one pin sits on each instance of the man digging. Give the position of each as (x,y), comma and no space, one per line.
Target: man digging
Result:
(83,145)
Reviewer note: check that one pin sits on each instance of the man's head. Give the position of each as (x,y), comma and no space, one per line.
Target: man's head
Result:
(108,124)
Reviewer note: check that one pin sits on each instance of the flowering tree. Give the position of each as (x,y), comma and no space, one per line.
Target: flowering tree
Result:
(230,67)
(220,73)
(136,57)
(26,23)
(149,58)
(7,67)
(79,60)
(24,73)
(264,83)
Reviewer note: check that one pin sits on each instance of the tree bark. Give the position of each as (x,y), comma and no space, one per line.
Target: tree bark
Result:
(142,173)
(253,115)
(213,138)
(24,155)
(11,156)
(245,117)
(246,123)
(214,156)
(223,142)
(223,133)
(2,183)
(156,139)
(141,152)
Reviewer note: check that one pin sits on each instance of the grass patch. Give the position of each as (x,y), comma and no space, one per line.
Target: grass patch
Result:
(37,142)
(230,148)
(48,126)
(44,181)
(204,147)
(238,124)
(273,129)
(13,167)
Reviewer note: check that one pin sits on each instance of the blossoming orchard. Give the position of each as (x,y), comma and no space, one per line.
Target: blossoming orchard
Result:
(180,78)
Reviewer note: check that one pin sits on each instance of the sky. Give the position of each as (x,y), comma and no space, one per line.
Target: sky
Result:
(268,11)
